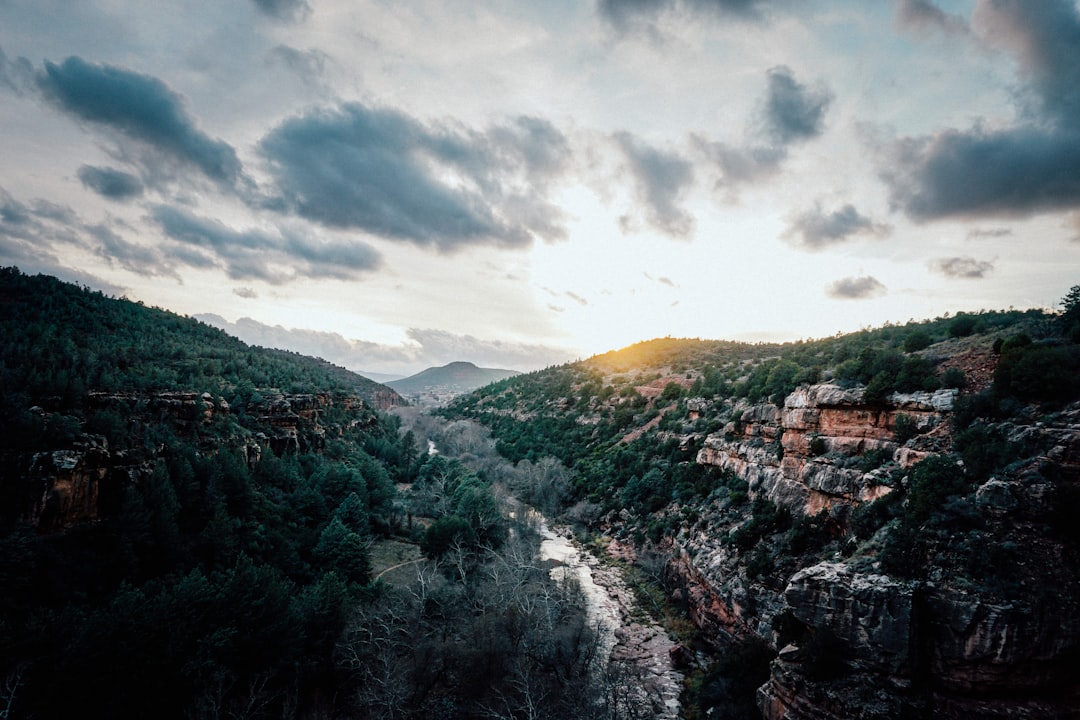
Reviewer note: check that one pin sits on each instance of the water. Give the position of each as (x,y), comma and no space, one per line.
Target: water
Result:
(609,606)
(601,609)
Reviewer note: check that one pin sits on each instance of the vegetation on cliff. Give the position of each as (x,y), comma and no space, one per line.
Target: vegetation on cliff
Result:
(187,528)
(686,448)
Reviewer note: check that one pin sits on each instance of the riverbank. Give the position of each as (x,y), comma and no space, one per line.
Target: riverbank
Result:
(636,649)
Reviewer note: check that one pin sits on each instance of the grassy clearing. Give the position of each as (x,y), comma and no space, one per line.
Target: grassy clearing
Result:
(395,562)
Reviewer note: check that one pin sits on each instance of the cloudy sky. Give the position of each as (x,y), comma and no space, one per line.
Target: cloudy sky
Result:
(398,184)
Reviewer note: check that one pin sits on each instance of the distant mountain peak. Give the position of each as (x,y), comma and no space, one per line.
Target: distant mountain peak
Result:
(455,378)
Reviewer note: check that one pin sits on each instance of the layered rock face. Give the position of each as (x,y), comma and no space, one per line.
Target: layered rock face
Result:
(926,650)
(854,642)
(64,487)
(794,455)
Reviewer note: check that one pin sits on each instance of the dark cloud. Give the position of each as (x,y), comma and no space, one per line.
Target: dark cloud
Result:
(961,267)
(1018,171)
(790,112)
(257,254)
(139,259)
(741,165)
(424,348)
(308,65)
(385,172)
(54,231)
(624,14)
(816,229)
(17,75)
(13,214)
(920,16)
(1045,39)
(661,179)
(139,107)
(989,233)
(245,292)
(793,111)
(975,173)
(855,288)
(284,9)
(111,183)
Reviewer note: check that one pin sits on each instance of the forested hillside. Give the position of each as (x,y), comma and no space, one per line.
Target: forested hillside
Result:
(62,341)
(864,511)
(191,527)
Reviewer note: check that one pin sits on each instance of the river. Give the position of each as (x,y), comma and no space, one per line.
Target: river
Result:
(634,650)
(629,641)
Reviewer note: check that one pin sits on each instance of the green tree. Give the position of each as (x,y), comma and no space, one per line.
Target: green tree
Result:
(962,325)
(442,534)
(343,551)
(917,340)
(1070,313)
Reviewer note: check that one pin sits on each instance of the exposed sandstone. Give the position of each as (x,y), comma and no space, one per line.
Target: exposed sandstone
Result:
(871,614)
(925,648)
(951,647)
(789,454)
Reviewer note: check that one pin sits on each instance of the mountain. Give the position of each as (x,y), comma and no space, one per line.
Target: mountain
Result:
(62,340)
(875,525)
(449,380)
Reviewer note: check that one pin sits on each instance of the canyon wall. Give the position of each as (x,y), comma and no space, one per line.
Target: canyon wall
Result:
(855,642)
(57,489)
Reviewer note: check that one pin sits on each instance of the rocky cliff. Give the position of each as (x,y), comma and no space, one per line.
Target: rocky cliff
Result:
(987,625)
(798,455)
(86,479)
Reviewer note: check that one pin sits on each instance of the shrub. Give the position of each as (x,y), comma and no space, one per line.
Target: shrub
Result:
(873,459)
(870,517)
(766,518)
(904,428)
(917,340)
(932,481)
(1016,341)
(1049,373)
(917,373)
(672,391)
(825,655)
(953,378)
(444,533)
(984,450)
(962,325)
(808,534)
(904,551)
(729,687)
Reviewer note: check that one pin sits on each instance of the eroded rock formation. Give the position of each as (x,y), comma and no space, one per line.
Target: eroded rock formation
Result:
(855,642)
(795,455)
(62,487)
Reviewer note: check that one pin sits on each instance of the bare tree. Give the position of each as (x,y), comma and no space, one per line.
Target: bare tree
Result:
(12,682)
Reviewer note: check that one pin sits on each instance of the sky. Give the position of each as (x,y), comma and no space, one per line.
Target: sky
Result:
(398,184)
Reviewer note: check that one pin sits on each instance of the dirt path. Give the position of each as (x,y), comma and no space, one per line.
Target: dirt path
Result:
(399,565)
